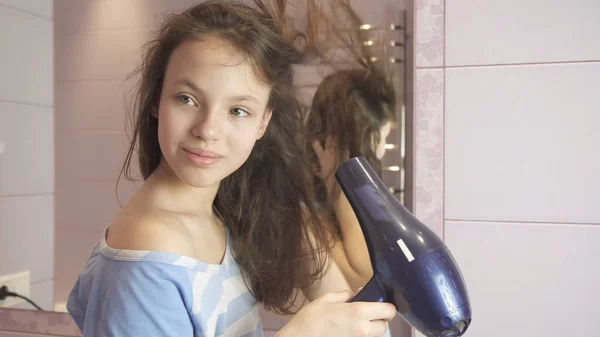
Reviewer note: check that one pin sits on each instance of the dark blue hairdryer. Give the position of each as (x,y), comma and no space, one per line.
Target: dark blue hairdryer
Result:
(412,267)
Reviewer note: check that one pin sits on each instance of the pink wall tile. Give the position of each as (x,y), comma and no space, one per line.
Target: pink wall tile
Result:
(87,16)
(429,143)
(27,160)
(521,143)
(79,153)
(305,94)
(310,74)
(89,204)
(27,152)
(25,68)
(101,55)
(80,112)
(27,236)
(515,31)
(539,279)
(429,33)
(379,12)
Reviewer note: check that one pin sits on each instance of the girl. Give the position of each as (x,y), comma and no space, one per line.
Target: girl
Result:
(351,115)
(217,225)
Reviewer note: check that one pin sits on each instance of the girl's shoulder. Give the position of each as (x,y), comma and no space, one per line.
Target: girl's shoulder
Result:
(144,286)
(157,231)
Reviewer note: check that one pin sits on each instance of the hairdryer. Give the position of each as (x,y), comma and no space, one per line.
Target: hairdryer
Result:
(412,267)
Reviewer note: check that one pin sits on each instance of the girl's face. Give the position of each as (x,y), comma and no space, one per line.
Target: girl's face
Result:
(384,132)
(212,111)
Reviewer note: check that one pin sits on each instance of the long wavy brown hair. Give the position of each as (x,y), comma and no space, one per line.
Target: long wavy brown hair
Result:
(352,103)
(267,203)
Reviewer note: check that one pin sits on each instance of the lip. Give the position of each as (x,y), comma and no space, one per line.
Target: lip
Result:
(201,157)
(201,152)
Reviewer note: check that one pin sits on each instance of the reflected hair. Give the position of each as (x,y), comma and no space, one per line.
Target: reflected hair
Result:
(352,103)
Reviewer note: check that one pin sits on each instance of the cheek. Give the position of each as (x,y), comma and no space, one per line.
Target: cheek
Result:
(242,142)
(170,130)
(165,130)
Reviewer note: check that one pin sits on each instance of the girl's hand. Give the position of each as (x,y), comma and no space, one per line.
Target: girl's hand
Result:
(332,315)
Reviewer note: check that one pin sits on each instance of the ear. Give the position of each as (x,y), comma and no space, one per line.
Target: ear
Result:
(264,123)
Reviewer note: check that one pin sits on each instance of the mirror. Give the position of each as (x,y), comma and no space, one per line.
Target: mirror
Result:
(62,129)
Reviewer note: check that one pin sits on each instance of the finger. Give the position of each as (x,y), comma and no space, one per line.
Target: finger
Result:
(378,310)
(316,145)
(336,297)
(378,328)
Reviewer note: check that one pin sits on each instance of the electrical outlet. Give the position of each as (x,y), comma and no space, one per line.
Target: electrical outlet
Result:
(17,283)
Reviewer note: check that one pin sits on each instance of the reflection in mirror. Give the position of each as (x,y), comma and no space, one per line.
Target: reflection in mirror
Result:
(351,115)
(63,134)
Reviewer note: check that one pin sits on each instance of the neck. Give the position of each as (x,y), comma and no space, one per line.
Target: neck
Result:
(175,195)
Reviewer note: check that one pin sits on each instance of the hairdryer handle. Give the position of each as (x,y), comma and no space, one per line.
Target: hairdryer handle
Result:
(371,292)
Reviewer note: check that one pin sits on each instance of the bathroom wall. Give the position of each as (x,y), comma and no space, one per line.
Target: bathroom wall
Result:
(507,165)
(27,145)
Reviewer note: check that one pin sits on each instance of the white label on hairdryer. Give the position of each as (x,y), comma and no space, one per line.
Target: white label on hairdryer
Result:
(405,250)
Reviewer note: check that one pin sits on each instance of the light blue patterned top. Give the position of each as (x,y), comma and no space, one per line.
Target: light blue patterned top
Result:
(145,293)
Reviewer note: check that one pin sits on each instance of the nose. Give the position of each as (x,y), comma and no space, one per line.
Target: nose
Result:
(208,126)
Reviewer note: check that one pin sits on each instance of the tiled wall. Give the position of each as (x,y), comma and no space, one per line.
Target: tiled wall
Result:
(507,157)
(27,144)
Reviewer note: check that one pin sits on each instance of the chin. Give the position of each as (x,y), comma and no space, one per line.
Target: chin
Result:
(200,178)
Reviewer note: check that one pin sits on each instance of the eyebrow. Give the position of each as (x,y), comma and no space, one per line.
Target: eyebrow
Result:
(237,98)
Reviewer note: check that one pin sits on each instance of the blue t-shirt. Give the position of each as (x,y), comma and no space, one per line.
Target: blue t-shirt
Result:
(145,293)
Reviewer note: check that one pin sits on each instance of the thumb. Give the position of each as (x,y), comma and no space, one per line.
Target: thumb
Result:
(337,297)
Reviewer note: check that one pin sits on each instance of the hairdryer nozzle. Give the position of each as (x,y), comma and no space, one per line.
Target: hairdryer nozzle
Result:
(412,267)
